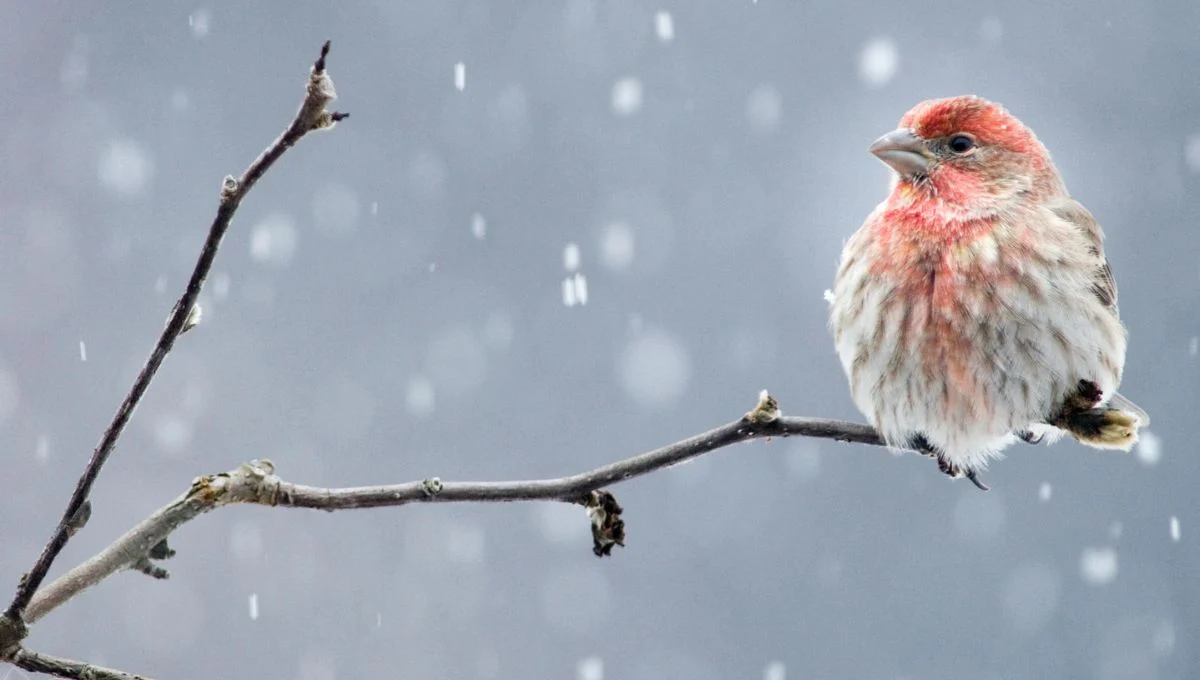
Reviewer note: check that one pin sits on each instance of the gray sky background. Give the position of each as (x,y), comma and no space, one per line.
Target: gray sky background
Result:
(390,305)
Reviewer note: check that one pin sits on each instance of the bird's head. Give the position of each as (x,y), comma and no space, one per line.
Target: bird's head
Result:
(969,155)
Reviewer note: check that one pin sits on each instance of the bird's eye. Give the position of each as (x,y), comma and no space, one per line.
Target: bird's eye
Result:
(961,144)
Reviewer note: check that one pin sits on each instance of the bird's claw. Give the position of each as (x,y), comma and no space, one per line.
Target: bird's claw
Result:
(955,472)
(1029,437)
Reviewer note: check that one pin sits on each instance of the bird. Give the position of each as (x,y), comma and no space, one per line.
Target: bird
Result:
(975,306)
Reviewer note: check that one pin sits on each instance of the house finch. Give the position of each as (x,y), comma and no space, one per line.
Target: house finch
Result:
(975,305)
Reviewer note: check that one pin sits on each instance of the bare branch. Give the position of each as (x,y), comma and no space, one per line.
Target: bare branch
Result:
(311,116)
(36,662)
(256,482)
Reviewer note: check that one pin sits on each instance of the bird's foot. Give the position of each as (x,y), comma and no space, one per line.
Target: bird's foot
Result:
(957,472)
(1029,437)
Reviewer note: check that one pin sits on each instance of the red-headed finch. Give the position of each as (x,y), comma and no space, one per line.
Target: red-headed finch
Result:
(975,305)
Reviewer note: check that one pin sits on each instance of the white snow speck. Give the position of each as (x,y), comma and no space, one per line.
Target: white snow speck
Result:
(1098,566)
(1191,152)
(626,97)
(253,606)
(616,246)
(432,267)
(126,168)
(575,290)
(82,351)
(200,22)
(221,282)
(335,210)
(42,452)
(655,370)
(775,671)
(1045,491)
(419,397)
(664,26)
(498,331)
(172,433)
(427,174)
(1175,531)
(1194,346)
(460,76)
(571,257)
(1030,597)
(829,296)
(478,226)
(1115,530)
(764,108)
(180,99)
(1149,448)
(560,522)
(273,240)
(591,668)
(878,61)
(74,71)
(374,208)
(803,460)
(246,540)
(379,619)
(991,30)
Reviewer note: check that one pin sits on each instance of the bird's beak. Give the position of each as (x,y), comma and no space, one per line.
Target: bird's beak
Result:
(904,151)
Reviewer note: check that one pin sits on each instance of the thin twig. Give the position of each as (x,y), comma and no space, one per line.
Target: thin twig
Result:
(311,116)
(257,483)
(36,662)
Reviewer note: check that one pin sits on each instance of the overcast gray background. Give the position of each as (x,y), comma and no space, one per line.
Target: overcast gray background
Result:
(363,325)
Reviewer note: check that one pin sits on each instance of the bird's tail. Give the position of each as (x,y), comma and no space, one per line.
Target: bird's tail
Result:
(1114,425)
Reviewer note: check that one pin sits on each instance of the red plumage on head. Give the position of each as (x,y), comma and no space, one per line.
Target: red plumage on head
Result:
(988,122)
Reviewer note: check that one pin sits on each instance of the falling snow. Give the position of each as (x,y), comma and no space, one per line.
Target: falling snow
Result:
(764,108)
(1194,346)
(591,668)
(626,97)
(878,61)
(1191,152)
(574,289)
(419,397)
(273,240)
(126,168)
(1175,531)
(82,351)
(460,76)
(42,452)
(253,606)
(775,670)
(664,26)
(1098,566)
(1149,448)
(200,22)
(571,257)
(478,226)
(991,30)
(617,246)
(1045,491)
(655,369)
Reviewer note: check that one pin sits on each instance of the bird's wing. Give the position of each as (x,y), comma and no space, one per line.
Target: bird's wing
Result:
(1103,284)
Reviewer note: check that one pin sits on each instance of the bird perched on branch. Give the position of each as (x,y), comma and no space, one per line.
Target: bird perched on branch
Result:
(975,305)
